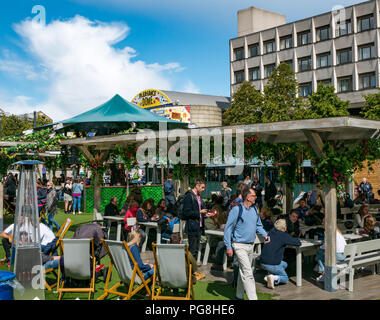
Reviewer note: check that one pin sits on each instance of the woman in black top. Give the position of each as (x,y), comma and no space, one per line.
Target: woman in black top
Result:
(273,253)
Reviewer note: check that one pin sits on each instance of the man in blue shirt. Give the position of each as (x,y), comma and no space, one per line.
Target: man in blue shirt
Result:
(303,210)
(239,237)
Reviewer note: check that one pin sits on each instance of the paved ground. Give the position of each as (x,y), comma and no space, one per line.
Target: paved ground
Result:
(366,285)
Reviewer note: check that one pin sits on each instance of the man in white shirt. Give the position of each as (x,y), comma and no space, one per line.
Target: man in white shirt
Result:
(46,236)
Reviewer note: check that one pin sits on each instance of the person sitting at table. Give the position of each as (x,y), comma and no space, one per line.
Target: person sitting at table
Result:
(348,203)
(143,212)
(361,199)
(125,207)
(160,210)
(134,242)
(132,213)
(266,218)
(340,244)
(315,216)
(111,208)
(359,217)
(216,220)
(370,228)
(272,255)
(303,210)
(292,224)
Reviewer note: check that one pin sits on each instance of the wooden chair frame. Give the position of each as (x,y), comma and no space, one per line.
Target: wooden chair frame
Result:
(60,233)
(190,289)
(91,290)
(136,270)
(8,209)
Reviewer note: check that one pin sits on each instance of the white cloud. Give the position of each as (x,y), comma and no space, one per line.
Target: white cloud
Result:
(83,67)
(190,87)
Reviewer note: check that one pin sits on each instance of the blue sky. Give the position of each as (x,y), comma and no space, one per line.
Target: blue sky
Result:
(91,49)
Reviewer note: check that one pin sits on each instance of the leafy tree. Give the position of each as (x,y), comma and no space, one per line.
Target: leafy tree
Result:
(246,106)
(325,103)
(14,125)
(371,107)
(280,96)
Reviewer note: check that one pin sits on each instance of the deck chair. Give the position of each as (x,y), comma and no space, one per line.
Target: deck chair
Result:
(9,209)
(129,275)
(60,234)
(173,270)
(77,265)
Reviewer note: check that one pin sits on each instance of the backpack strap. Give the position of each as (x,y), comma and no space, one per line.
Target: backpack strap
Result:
(239,217)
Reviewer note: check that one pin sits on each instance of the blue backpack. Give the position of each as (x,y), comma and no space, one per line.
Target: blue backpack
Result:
(311,199)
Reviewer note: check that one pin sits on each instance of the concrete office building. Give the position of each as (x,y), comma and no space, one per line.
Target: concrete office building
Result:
(340,47)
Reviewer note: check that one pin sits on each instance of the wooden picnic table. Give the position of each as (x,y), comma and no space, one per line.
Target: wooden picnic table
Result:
(148,226)
(119,221)
(220,233)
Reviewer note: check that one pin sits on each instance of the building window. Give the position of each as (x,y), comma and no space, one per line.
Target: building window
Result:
(367,81)
(323,33)
(269,46)
(325,82)
(290,63)
(254,74)
(345,84)
(268,70)
(367,51)
(239,53)
(304,64)
(303,38)
(365,23)
(254,50)
(324,60)
(239,76)
(286,42)
(305,89)
(343,28)
(344,56)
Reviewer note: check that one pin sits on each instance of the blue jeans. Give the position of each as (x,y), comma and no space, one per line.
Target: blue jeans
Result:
(278,270)
(321,259)
(51,220)
(77,202)
(148,274)
(51,264)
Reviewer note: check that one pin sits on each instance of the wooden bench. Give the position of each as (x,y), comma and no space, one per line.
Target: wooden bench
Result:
(358,254)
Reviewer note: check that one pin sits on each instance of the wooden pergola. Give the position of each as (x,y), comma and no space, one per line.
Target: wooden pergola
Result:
(341,130)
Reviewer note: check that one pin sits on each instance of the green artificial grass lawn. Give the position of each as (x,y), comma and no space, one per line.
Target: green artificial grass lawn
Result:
(204,290)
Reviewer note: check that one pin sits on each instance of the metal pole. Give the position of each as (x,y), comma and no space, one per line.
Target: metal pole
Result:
(34,119)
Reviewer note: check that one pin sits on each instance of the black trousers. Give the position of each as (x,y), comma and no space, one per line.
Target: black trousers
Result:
(7,247)
(194,242)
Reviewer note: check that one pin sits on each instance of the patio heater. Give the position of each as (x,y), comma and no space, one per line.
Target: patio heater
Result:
(26,246)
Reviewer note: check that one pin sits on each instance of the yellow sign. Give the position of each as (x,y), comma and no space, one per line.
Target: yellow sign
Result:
(151,98)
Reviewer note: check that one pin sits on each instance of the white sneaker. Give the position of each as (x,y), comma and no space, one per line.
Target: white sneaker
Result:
(270,281)
(79,212)
(321,278)
(74,213)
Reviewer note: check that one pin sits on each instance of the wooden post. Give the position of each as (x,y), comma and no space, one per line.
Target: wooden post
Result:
(1,204)
(127,174)
(287,200)
(330,240)
(97,193)
(162,175)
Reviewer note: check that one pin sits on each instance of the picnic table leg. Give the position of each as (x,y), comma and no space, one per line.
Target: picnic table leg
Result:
(158,237)
(299,267)
(207,251)
(118,234)
(225,261)
(146,239)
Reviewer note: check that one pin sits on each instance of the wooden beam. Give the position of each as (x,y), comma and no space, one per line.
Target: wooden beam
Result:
(270,139)
(315,142)
(330,240)
(86,152)
(1,205)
